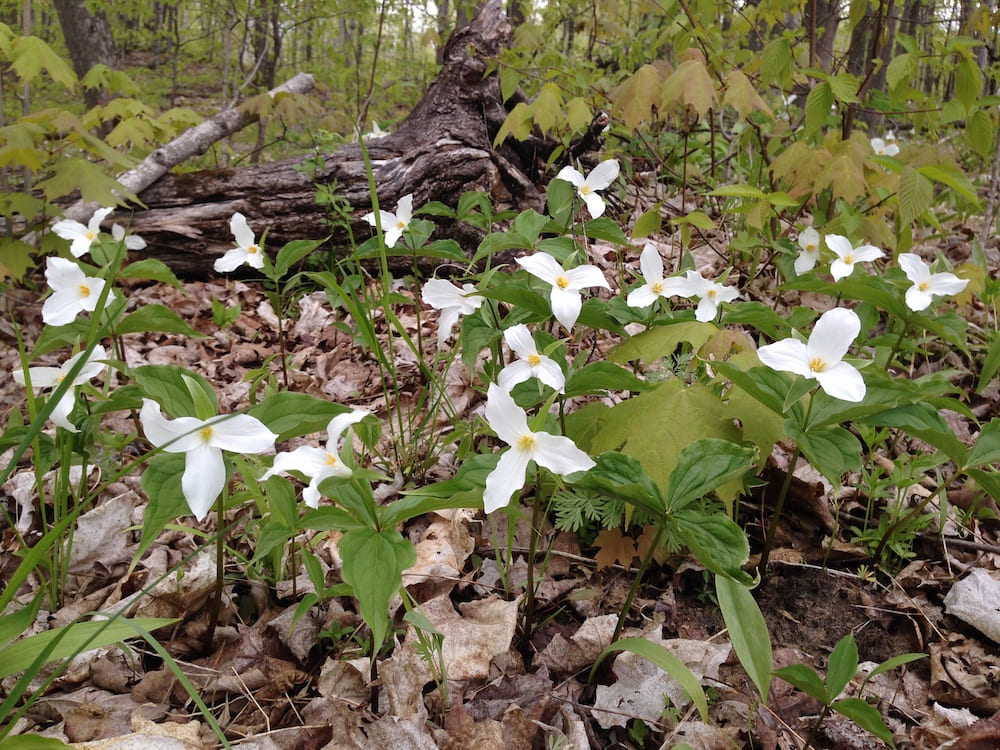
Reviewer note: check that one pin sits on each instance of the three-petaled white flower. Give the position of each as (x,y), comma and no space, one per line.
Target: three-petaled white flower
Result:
(375,132)
(655,285)
(822,357)
(927,284)
(132,241)
(318,463)
(556,453)
(246,251)
(566,284)
(600,178)
(453,301)
(51,377)
(809,240)
(848,255)
(202,442)
(530,363)
(885,146)
(72,291)
(82,237)
(394,224)
(710,293)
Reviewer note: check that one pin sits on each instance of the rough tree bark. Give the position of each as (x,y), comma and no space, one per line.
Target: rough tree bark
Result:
(88,39)
(442,149)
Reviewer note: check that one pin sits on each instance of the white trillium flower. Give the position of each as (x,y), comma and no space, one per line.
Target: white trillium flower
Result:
(453,301)
(600,178)
(82,237)
(318,463)
(530,363)
(375,132)
(655,285)
(710,293)
(566,285)
(809,240)
(202,442)
(51,377)
(848,255)
(132,241)
(394,224)
(246,251)
(72,291)
(927,284)
(556,453)
(885,146)
(822,357)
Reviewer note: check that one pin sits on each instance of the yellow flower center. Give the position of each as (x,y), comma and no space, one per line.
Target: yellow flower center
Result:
(562,282)
(526,443)
(585,189)
(848,259)
(810,247)
(206,433)
(90,235)
(252,250)
(84,290)
(331,460)
(658,287)
(713,293)
(817,364)
(923,286)
(400,224)
(534,359)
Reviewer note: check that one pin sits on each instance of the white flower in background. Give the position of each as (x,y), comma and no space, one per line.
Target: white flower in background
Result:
(393,225)
(710,294)
(808,257)
(375,132)
(927,284)
(51,377)
(82,237)
(655,285)
(530,363)
(132,241)
(202,442)
(885,146)
(72,291)
(600,178)
(246,251)
(566,284)
(848,255)
(318,463)
(822,357)
(556,453)
(453,301)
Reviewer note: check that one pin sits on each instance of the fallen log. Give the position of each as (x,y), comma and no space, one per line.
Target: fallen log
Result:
(441,150)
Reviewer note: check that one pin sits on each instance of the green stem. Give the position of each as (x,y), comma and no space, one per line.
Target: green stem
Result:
(634,588)
(529,603)
(899,342)
(772,528)
(220,569)
(906,517)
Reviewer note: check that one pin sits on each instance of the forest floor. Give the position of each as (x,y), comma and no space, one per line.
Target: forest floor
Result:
(272,686)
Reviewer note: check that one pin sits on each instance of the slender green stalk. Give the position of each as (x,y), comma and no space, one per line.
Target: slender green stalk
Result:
(529,602)
(772,527)
(633,591)
(220,571)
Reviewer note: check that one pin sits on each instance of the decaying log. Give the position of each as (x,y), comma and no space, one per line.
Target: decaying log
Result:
(441,150)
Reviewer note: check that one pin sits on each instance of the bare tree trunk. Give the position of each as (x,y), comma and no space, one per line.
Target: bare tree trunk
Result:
(88,39)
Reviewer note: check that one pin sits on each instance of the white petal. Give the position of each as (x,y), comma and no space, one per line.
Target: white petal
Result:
(595,204)
(867,253)
(94,225)
(41,377)
(833,335)
(307,459)
(203,479)
(842,381)
(91,369)
(519,340)
(550,373)
(404,209)
(706,310)
(806,261)
(440,294)
(839,269)
(569,174)
(680,286)
(241,433)
(506,479)
(642,296)
(446,322)
(63,274)
(233,259)
(603,174)
(947,283)
(61,307)
(392,235)
(387,219)
(698,284)
(582,277)
(809,239)
(70,230)
(559,454)
(542,265)
(241,231)
(514,373)
(94,288)
(787,355)
(566,306)
(341,422)
(506,418)
(839,244)
(917,299)
(255,259)
(651,264)
(173,435)
(471,300)
(60,413)
(914,268)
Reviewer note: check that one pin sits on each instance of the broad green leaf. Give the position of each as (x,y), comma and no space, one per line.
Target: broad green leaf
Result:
(922,421)
(477,334)
(373,564)
(517,124)
(805,679)
(464,490)
(69,175)
(740,191)
(703,466)
(661,341)
(161,482)
(768,386)
(990,366)
(29,56)
(691,85)
(818,105)
(666,661)
(831,450)
(329,518)
(865,716)
(845,176)
(747,632)
(988,481)
(980,133)
(776,63)
(166,385)
(290,414)
(14,624)
(716,541)
(889,664)
(968,82)
(293,252)
(601,376)
(742,96)
(578,114)
(901,69)
(949,326)
(634,98)
(155,319)
(842,665)
(648,224)
(696,219)
(510,79)
(15,259)
(605,229)
(986,451)
(953,178)
(70,640)
(150,269)
(624,477)
(915,194)
(32,742)
(527,225)
(547,108)
(844,87)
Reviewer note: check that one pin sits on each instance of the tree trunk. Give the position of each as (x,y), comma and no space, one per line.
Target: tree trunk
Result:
(442,149)
(88,39)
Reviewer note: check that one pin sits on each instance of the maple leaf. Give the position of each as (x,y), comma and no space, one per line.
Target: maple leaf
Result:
(613,546)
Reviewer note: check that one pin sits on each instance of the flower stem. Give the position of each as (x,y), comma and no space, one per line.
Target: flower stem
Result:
(220,569)
(899,342)
(529,602)
(772,528)
(637,580)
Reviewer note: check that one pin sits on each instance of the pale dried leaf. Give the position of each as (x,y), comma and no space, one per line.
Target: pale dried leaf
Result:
(976,600)
(483,630)
(583,648)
